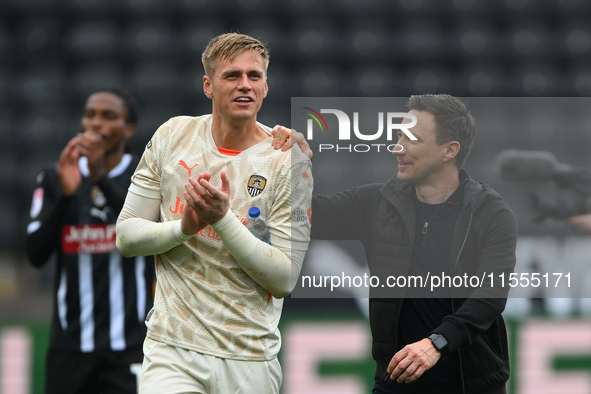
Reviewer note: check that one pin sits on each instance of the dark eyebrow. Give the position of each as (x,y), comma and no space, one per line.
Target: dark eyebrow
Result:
(107,111)
(229,72)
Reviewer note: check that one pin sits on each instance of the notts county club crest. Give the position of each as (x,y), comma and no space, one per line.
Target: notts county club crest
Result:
(98,198)
(256,185)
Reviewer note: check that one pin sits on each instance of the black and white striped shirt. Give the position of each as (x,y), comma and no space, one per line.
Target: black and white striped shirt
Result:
(101,297)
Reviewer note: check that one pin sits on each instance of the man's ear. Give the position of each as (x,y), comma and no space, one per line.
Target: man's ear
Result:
(129,130)
(452,150)
(207,87)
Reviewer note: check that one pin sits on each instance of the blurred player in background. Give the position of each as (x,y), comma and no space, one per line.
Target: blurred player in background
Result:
(101,298)
(219,292)
(432,217)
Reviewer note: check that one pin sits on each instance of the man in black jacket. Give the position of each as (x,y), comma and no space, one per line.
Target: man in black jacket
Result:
(431,218)
(101,298)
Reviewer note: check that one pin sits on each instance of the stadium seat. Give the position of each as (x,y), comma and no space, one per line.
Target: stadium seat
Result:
(40,87)
(366,42)
(155,83)
(39,40)
(358,8)
(373,82)
(535,80)
(91,76)
(37,7)
(11,222)
(421,40)
(313,39)
(304,7)
(148,41)
(531,39)
(6,46)
(195,36)
(191,8)
(580,80)
(430,80)
(476,40)
(93,40)
(481,80)
(320,81)
(46,133)
(86,8)
(476,7)
(143,8)
(574,8)
(574,42)
(6,89)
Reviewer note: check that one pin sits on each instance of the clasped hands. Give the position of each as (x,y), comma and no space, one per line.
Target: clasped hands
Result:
(205,203)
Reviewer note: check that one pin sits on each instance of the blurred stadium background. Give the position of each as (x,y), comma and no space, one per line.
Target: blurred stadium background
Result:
(53,53)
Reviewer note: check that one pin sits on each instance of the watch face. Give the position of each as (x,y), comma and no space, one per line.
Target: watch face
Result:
(439,342)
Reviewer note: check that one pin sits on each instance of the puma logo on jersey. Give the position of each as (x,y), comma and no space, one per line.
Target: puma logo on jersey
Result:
(184,165)
(101,214)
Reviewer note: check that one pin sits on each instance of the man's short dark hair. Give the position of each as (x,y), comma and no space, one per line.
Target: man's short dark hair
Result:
(128,102)
(452,119)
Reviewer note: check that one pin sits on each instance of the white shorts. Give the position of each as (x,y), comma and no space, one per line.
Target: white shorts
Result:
(170,370)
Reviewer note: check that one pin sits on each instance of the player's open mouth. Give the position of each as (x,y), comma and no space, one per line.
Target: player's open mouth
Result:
(243,100)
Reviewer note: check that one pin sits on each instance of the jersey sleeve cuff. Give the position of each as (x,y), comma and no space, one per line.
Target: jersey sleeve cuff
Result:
(178,233)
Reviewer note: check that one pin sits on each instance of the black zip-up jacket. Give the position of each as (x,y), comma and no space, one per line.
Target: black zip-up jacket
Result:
(382,217)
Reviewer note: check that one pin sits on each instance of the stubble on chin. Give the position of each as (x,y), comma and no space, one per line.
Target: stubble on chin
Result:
(419,179)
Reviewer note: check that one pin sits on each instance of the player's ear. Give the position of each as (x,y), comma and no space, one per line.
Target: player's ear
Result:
(207,86)
(129,130)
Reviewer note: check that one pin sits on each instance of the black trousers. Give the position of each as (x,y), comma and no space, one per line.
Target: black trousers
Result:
(502,389)
(74,372)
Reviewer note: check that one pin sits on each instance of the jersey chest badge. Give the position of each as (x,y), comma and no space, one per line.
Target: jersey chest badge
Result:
(256,184)
(97,196)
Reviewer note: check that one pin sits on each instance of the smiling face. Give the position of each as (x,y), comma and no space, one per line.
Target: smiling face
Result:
(237,88)
(106,114)
(422,160)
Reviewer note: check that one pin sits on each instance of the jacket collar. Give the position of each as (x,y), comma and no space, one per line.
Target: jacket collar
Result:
(398,192)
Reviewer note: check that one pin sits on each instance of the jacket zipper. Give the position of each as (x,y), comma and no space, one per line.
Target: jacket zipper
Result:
(465,239)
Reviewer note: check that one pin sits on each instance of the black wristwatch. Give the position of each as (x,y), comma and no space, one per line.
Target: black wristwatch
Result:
(439,342)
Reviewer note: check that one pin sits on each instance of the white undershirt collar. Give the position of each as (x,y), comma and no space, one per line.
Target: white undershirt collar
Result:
(118,170)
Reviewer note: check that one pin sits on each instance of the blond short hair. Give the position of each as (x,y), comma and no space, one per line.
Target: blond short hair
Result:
(228,46)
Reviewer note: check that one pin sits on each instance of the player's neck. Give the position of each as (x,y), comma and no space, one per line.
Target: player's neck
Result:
(113,158)
(439,188)
(236,134)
